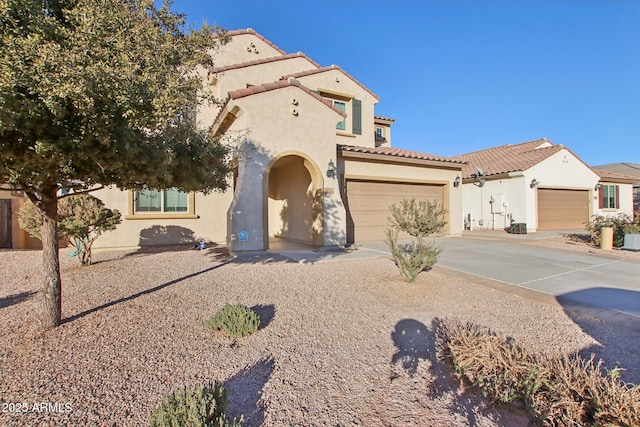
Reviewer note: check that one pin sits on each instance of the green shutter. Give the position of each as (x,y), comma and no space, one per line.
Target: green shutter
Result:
(357,116)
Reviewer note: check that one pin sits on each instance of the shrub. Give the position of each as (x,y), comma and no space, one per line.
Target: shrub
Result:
(193,406)
(82,219)
(235,320)
(555,391)
(413,257)
(418,218)
(622,224)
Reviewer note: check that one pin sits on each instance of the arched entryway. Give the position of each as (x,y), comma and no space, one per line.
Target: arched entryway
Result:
(294,200)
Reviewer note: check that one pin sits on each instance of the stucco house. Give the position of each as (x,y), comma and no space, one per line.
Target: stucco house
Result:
(628,169)
(314,163)
(538,183)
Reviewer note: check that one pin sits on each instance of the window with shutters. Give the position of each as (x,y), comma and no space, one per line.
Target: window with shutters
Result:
(609,195)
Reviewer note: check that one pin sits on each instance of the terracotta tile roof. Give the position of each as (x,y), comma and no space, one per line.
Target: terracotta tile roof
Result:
(384,119)
(397,152)
(253,90)
(252,31)
(266,61)
(508,158)
(606,175)
(329,68)
(624,168)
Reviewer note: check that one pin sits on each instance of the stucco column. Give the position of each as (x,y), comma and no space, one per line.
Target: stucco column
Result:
(334,219)
(246,219)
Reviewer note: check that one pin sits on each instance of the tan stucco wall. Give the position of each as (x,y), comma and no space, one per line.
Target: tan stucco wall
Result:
(357,169)
(236,52)
(259,74)
(20,239)
(337,82)
(276,132)
(209,226)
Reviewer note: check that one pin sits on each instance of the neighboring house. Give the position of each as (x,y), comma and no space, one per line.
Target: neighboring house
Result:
(314,165)
(540,184)
(628,169)
(11,234)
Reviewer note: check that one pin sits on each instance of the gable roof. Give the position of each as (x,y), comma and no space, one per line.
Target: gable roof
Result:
(624,168)
(607,175)
(508,158)
(253,32)
(266,61)
(330,68)
(254,90)
(386,153)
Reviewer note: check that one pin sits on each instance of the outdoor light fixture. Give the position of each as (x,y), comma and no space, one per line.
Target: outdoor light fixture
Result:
(331,169)
(598,185)
(456,182)
(534,183)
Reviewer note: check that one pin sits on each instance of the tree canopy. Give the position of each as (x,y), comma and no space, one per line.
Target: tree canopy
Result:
(104,92)
(100,93)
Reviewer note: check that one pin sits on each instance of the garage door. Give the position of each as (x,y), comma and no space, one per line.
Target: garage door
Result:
(369,201)
(562,209)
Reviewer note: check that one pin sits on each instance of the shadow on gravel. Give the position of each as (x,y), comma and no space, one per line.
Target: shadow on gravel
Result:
(412,340)
(266,313)
(141,293)
(244,392)
(15,298)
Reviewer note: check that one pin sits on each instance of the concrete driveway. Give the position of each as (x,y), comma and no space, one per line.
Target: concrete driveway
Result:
(579,281)
(583,282)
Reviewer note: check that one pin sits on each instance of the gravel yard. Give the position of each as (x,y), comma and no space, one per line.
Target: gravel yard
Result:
(342,343)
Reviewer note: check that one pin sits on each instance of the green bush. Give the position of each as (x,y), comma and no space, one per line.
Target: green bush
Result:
(413,257)
(622,224)
(195,407)
(565,391)
(418,218)
(235,320)
(82,218)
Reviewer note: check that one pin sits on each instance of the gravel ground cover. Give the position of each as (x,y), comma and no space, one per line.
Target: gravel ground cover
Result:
(342,343)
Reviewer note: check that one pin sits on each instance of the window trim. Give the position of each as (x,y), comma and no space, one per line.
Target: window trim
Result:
(615,189)
(190,214)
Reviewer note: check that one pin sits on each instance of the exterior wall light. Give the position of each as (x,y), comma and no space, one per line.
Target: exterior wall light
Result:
(534,183)
(456,182)
(331,169)
(598,186)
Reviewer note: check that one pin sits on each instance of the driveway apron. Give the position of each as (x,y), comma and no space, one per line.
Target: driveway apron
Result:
(574,278)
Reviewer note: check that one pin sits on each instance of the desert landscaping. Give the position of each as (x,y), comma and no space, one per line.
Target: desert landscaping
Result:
(341,343)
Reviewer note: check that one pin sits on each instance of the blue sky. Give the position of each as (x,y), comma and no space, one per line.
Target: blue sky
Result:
(460,76)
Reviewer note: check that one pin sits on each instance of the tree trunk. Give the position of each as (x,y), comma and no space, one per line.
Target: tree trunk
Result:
(52,313)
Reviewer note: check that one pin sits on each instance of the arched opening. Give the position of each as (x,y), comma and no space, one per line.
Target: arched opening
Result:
(294,201)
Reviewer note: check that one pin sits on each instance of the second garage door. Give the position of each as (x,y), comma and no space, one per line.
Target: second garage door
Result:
(562,209)
(369,202)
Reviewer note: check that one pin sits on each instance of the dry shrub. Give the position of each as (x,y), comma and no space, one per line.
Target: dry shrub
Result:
(566,391)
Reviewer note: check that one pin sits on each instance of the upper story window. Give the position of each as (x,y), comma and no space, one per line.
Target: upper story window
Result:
(161,201)
(609,197)
(379,132)
(342,107)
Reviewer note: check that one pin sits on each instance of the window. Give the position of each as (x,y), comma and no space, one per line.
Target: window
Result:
(156,201)
(609,195)
(342,107)
(379,133)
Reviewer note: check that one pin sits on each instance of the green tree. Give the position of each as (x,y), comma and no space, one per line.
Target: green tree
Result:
(82,219)
(98,93)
